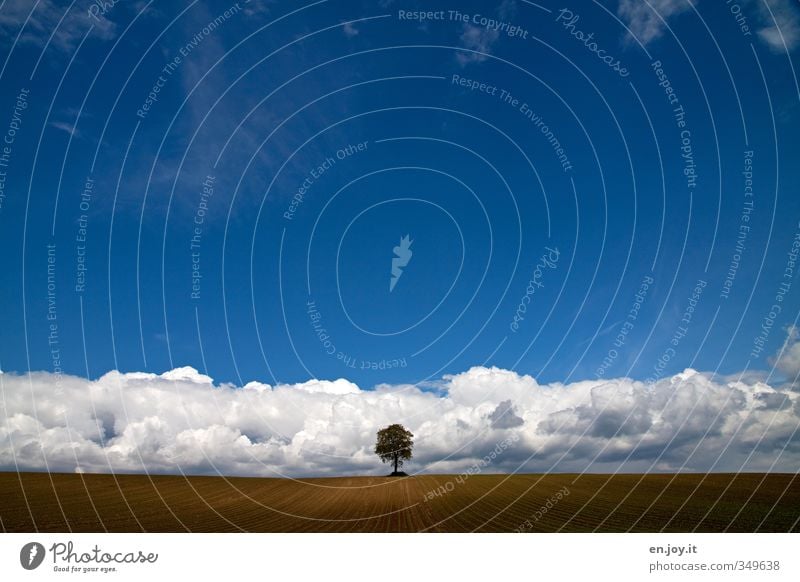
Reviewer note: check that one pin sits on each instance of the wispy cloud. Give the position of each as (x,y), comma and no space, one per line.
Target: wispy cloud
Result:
(349,30)
(257,7)
(779,24)
(647,19)
(476,39)
(481,39)
(39,21)
(64,126)
(507,9)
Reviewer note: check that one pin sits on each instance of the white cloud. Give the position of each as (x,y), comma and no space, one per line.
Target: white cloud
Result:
(349,30)
(780,24)
(64,126)
(787,359)
(258,7)
(777,21)
(46,19)
(478,39)
(189,374)
(181,421)
(647,19)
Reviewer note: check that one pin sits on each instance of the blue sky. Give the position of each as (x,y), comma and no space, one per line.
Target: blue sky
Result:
(276,95)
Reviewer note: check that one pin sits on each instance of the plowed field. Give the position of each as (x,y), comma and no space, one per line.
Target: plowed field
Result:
(438,503)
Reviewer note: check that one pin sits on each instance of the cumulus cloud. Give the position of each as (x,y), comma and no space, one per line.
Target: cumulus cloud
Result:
(67,24)
(779,24)
(647,20)
(505,416)
(788,358)
(180,421)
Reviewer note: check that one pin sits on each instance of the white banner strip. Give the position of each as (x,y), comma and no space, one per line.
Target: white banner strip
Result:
(401,557)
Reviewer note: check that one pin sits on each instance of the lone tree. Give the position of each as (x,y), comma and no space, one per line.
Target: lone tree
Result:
(394,444)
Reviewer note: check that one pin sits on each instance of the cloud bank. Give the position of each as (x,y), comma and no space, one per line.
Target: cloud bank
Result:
(180,421)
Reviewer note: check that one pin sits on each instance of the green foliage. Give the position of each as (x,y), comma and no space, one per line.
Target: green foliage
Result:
(394,445)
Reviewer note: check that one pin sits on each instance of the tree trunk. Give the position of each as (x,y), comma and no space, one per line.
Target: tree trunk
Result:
(395,463)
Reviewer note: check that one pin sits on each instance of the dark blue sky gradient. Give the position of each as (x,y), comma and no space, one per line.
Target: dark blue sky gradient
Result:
(278,88)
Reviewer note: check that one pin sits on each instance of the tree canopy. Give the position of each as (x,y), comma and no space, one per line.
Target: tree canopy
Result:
(394,445)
